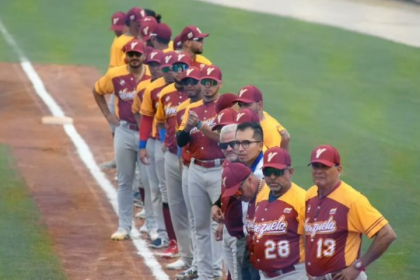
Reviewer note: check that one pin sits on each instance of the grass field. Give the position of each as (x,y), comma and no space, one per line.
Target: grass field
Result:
(324,85)
(25,246)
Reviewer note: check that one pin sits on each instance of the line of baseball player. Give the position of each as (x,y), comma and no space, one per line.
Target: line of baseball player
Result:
(216,171)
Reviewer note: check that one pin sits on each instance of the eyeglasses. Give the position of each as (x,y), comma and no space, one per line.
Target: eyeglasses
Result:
(131,54)
(179,66)
(225,145)
(245,144)
(166,69)
(268,171)
(189,81)
(209,82)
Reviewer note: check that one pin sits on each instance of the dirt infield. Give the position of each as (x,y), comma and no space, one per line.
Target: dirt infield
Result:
(76,212)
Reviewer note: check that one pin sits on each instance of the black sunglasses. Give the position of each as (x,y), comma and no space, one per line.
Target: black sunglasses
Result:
(268,171)
(176,67)
(189,81)
(131,54)
(225,145)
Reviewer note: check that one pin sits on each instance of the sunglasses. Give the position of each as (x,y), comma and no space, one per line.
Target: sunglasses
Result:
(153,64)
(224,146)
(322,166)
(209,82)
(244,105)
(166,69)
(189,81)
(179,66)
(268,171)
(245,144)
(131,54)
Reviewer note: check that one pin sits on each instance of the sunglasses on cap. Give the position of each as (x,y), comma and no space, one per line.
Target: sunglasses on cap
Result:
(166,69)
(268,171)
(131,54)
(209,82)
(189,81)
(224,146)
(179,66)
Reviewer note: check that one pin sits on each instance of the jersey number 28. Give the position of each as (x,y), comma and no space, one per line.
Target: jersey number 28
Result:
(272,250)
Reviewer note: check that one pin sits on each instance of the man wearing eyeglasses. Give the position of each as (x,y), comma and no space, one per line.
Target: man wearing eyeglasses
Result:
(124,81)
(192,40)
(152,150)
(205,169)
(274,133)
(277,228)
(336,218)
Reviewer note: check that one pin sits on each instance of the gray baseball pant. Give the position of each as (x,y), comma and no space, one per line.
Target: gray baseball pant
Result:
(204,190)
(362,276)
(178,208)
(298,274)
(230,252)
(192,234)
(111,107)
(156,194)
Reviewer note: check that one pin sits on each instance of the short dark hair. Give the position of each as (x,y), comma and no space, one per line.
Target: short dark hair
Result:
(152,13)
(256,127)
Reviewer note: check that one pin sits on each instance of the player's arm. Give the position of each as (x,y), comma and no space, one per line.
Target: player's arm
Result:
(206,130)
(102,87)
(189,121)
(285,139)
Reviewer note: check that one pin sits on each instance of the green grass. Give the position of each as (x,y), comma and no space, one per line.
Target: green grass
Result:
(25,246)
(325,85)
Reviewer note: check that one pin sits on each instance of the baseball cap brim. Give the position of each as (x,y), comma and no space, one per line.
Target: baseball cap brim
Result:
(231,191)
(202,35)
(243,100)
(152,60)
(211,78)
(220,125)
(275,165)
(324,162)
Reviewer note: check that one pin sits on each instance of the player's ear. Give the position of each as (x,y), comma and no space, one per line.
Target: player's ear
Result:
(220,84)
(291,171)
(339,169)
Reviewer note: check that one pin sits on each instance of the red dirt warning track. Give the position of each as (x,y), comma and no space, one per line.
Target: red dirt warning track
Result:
(74,208)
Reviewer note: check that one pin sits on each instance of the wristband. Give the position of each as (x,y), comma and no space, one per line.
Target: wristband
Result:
(142,144)
(200,125)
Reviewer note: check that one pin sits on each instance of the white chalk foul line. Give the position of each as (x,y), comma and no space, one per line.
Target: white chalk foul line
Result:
(84,153)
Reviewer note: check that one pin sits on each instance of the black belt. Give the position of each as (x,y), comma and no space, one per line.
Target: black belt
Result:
(276,273)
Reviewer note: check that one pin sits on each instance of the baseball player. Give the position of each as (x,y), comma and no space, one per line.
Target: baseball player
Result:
(133,18)
(336,218)
(152,155)
(160,37)
(205,169)
(277,228)
(194,95)
(177,44)
(192,40)
(124,81)
(147,24)
(274,133)
(170,98)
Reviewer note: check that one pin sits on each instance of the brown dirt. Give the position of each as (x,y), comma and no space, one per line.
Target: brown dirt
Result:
(74,209)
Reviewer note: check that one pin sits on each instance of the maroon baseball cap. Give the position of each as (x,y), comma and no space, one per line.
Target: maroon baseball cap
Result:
(192,32)
(177,43)
(118,21)
(325,154)
(154,56)
(182,58)
(167,59)
(246,115)
(249,94)
(211,72)
(232,177)
(135,14)
(191,72)
(146,29)
(162,30)
(277,157)
(135,45)
(224,117)
(224,101)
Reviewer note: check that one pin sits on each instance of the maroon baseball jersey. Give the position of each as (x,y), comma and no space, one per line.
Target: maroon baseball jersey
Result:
(120,81)
(334,226)
(169,100)
(265,190)
(201,146)
(277,230)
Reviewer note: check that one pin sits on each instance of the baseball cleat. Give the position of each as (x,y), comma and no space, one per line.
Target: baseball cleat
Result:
(190,273)
(171,252)
(141,214)
(137,200)
(119,235)
(159,243)
(177,265)
(109,165)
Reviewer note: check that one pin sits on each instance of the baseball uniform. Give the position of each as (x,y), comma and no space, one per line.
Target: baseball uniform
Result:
(334,226)
(123,84)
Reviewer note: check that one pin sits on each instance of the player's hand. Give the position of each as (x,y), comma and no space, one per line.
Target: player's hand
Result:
(144,157)
(216,214)
(349,273)
(164,148)
(218,234)
(192,120)
(180,164)
(112,119)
